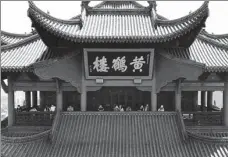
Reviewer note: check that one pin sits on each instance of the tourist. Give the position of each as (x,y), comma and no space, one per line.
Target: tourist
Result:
(141,108)
(70,108)
(128,108)
(146,108)
(100,108)
(122,109)
(33,110)
(19,109)
(47,109)
(116,108)
(52,108)
(161,108)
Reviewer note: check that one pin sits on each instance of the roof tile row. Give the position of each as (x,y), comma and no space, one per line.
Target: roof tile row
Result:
(124,27)
(151,134)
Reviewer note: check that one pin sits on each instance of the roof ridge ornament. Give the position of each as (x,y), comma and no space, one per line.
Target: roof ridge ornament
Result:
(84,11)
(153,11)
(84,6)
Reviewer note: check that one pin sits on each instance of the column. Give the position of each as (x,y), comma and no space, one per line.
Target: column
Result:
(225,102)
(154,90)
(59,97)
(195,100)
(11,110)
(209,100)
(28,99)
(153,96)
(203,96)
(34,98)
(83,91)
(178,95)
(42,99)
(83,98)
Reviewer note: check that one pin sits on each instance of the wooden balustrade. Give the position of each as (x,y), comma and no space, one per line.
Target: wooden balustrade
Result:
(34,118)
(203,118)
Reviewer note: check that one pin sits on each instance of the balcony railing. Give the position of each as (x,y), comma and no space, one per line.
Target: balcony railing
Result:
(34,118)
(203,118)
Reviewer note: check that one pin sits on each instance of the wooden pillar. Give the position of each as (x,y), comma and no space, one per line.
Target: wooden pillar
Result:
(209,100)
(225,102)
(154,90)
(34,98)
(195,100)
(28,99)
(83,102)
(154,95)
(42,99)
(59,97)
(178,95)
(203,102)
(83,98)
(11,110)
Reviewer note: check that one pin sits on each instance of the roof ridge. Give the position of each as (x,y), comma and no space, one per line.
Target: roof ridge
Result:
(16,34)
(204,9)
(98,6)
(25,139)
(33,7)
(20,43)
(211,41)
(208,139)
(204,32)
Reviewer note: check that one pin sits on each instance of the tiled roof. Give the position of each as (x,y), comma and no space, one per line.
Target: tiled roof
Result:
(19,56)
(222,38)
(203,50)
(21,131)
(116,134)
(119,28)
(10,38)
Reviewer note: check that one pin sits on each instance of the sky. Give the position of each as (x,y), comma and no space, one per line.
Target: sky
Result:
(14,17)
(14,13)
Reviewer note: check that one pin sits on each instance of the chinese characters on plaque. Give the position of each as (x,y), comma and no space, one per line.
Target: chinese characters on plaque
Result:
(118,63)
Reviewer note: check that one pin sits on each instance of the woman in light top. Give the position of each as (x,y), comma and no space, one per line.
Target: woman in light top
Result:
(161,108)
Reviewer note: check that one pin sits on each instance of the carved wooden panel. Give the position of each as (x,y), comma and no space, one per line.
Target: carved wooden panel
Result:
(169,68)
(68,69)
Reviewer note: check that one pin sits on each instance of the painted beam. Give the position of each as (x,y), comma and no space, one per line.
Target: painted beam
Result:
(41,86)
(50,86)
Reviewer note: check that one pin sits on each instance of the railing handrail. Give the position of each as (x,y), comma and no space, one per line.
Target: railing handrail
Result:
(35,112)
(203,113)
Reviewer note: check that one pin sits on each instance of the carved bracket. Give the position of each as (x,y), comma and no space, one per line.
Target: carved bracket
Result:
(4,86)
(169,68)
(67,69)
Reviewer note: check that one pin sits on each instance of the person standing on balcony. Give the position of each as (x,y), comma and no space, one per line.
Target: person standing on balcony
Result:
(161,108)
(100,108)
